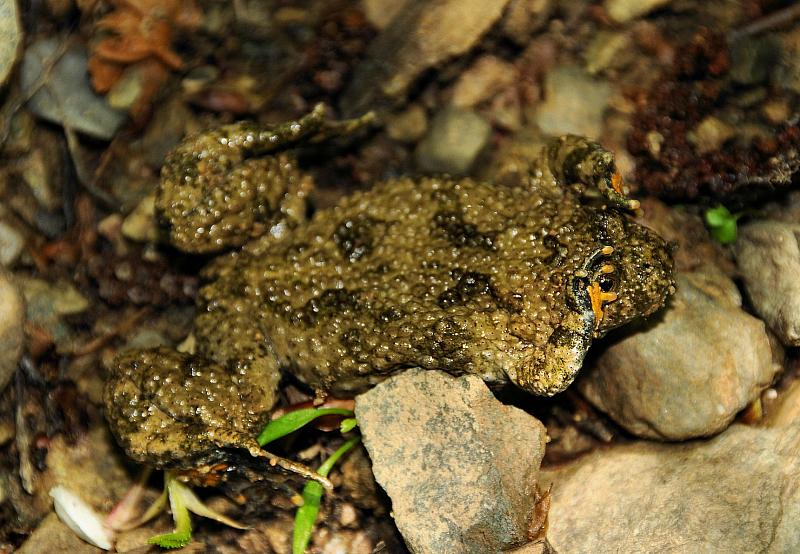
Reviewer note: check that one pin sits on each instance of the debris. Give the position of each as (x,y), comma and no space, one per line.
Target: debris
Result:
(82,519)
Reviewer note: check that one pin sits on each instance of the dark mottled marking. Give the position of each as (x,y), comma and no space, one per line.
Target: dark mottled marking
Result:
(331,302)
(355,237)
(470,285)
(447,341)
(462,233)
(388,315)
(352,340)
(558,251)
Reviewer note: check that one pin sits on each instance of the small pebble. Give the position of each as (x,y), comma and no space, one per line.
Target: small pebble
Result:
(453,142)
(625,10)
(12,320)
(408,126)
(11,244)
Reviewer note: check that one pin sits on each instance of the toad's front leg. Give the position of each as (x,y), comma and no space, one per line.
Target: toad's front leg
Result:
(578,160)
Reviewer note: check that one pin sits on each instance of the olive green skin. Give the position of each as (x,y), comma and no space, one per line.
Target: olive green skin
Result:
(456,275)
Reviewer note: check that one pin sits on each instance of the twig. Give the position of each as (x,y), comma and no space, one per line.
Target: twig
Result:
(770,21)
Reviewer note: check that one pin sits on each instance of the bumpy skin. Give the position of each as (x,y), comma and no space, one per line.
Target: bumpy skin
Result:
(457,275)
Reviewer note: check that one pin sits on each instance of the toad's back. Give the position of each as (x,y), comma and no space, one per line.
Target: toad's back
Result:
(439,273)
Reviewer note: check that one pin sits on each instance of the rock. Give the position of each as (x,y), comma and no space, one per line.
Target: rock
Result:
(39,173)
(752,58)
(734,493)
(625,10)
(482,80)
(53,536)
(710,134)
(786,409)
(524,17)
(607,50)
(453,142)
(689,373)
(11,38)
(422,35)
(12,333)
(768,256)
(409,125)
(381,12)
(12,243)
(786,73)
(776,111)
(574,102)
(92,467)
(66,97)
(141,225)
(48,303)
(459,466)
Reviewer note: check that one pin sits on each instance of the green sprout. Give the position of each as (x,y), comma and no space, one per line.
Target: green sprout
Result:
(348,425)
(307,514)
(722,224)
(182,500)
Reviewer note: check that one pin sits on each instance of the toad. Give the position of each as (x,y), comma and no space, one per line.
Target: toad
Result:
(509,281)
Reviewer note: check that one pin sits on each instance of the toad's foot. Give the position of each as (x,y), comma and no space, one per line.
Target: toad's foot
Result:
(573,159)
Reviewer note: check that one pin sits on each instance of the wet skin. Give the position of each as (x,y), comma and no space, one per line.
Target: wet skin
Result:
(511,282)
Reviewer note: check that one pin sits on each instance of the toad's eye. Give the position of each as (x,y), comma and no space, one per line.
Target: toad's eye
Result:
(607,283)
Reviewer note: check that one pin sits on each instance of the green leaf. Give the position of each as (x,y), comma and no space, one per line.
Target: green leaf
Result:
(722,224)
(307,514)
(717,216)
(180,514)
(348,424)
(292,421)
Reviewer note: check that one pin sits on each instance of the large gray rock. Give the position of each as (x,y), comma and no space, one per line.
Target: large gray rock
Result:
(688,374)
(735,493)
(768,256)
(459,466)
(12,334)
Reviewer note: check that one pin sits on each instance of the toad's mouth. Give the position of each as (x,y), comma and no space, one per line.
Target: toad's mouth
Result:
(599,283)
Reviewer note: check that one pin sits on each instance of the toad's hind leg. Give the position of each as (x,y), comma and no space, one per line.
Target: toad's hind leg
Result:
(577,160)
(227,332)
(223,187)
